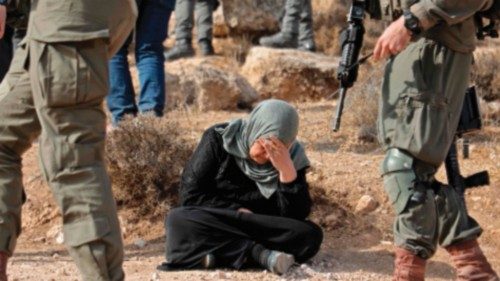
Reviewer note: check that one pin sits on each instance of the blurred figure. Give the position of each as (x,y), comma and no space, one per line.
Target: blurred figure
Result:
(184,17)
(296,28)
(150,32)
(15,30)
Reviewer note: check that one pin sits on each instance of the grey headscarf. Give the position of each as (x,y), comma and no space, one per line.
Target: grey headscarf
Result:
(270,118)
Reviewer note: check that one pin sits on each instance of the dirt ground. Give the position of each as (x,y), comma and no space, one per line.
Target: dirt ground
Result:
(356,247)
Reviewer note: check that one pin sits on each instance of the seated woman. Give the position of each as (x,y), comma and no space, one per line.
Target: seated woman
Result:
(244,197)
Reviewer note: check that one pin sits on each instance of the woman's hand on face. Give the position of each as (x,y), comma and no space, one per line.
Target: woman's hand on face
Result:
(244,210)
(280,159)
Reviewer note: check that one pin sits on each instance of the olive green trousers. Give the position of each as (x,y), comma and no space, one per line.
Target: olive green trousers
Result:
(421,101)
(55,91)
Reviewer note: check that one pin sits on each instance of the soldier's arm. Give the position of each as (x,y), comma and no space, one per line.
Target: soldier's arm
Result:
(432,12)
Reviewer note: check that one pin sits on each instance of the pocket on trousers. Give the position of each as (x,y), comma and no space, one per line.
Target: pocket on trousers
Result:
(86,230)
(68,77)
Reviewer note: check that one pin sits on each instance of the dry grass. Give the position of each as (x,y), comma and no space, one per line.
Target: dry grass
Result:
(330,17)
(145,158)
(361,105)
(485,73)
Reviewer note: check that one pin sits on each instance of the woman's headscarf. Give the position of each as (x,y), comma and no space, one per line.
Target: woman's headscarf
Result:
(270,118)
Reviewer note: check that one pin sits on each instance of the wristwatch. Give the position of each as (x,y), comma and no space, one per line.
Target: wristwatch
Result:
(412,23)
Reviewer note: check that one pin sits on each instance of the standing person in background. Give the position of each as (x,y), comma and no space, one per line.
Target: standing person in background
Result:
(184,18)
(296,28)
(55,88)
(429,45)
(150,31)
(14,32)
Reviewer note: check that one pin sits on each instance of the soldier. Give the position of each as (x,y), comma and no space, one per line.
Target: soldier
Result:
(422,95)
(296,28)
(55,86)
(184,13)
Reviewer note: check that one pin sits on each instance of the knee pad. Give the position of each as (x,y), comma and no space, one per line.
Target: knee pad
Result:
(400,179)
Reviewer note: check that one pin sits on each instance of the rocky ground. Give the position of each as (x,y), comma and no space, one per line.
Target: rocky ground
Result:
(354,211)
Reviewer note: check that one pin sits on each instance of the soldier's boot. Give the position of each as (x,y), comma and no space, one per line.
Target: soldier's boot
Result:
(182,49)
(280,40)
(470,262)
(307,45)
(206,48)
(408,266)
(3,266)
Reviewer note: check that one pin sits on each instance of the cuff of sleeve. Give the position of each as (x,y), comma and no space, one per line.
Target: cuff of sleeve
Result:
(4,2)
(425,18)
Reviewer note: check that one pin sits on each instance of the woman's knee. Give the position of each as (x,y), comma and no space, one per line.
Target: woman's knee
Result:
(311,236)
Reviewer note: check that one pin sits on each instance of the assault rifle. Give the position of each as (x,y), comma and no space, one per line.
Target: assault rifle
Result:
(470,121)
(351,41)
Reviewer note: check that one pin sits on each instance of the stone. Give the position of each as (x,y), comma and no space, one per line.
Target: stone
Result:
(366,204)
(55,233)
(140,243)
(251,16)
(210,83)
(290,75)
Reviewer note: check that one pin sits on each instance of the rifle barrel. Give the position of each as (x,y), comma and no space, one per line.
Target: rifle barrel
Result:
(340,108)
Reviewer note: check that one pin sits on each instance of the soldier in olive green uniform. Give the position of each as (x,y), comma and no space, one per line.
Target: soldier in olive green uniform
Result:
(55,88)
(422,96)
(296,28)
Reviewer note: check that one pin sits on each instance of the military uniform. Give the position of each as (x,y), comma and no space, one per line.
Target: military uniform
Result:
(296,28)
(185,10)
(55,87)
(421,101)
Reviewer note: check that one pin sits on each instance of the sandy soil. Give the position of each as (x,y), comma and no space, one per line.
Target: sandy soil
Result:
(356,247)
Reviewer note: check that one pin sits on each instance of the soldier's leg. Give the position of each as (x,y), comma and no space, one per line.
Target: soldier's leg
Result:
(288,36)
(204,25)
(69,82)
(184,21)
(458,233)
(18,128)
(407,183)
(306,30)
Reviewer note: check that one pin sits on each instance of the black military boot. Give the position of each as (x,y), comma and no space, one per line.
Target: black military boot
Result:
(206,47)
(307,45)
(182,49)
(280,40)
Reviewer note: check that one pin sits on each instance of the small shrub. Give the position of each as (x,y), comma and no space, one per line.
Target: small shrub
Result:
(485,73)
(361,104)
(145,158)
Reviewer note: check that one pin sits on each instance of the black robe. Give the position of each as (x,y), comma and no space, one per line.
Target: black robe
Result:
(213,188)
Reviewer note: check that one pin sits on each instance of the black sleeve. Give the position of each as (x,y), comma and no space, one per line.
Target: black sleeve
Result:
(198,177)
(293,198)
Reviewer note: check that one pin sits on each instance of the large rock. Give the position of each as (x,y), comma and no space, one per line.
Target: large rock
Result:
(252,16)
(290,74)
(211,83)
